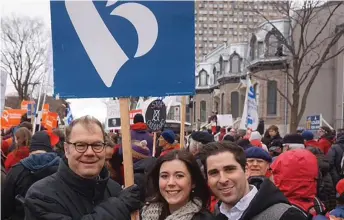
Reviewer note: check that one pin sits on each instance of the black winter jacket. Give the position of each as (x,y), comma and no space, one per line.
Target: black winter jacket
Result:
(67,196)
(141,169)
(335,156)
(326,191)
(203,215)
(267,196)
(21,177)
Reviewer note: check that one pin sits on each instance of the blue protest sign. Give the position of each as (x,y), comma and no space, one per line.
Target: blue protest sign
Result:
(313,122)
(123,48)
(29,112)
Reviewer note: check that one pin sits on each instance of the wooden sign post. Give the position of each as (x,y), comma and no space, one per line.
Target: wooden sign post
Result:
(182,122)
(126,145)
(154,144)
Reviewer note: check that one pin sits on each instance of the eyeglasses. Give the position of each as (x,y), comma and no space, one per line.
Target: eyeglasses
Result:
(81,147)
(259,161)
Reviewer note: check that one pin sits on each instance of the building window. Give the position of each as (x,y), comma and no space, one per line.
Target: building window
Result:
(260,49)
(223,103)
(203,78)
(188,114)
(170,115)
(253,47)
(221,65)
(215,75)
(203,111)
(272,44)
(235,64)
(272,98)
(235,104)
(227,67)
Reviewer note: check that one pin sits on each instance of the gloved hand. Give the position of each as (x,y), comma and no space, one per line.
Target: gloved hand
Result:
(131,197)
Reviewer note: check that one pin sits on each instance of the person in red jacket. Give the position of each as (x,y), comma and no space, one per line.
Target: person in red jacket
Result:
(222,134)
(309,139)
(167,142)
(22,142)
(326,139)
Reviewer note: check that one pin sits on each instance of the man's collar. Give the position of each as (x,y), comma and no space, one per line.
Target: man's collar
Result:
(243,203)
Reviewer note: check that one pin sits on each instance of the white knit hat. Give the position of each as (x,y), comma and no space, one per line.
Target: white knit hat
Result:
(255,135)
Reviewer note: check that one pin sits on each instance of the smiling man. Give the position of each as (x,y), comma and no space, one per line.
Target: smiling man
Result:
(226,172)
(258,161)
(81,188)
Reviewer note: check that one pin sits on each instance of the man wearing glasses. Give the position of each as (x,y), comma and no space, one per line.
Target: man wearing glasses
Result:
(81,188)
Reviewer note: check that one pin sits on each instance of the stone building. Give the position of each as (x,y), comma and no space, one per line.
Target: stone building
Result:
(218,76)
(223,21)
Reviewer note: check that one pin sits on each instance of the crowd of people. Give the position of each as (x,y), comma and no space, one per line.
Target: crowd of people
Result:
(78,173)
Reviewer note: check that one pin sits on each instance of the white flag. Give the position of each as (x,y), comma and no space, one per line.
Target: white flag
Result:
(249,118)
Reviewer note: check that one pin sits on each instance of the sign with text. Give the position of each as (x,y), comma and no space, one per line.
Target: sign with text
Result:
(113,109)
(156,115)
(31,109)
(314,122)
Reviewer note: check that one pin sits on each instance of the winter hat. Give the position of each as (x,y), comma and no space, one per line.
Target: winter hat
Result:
(340,188)
(293,139)
(338,213)
(255,135)
(307,135)
(259,153)
(202,137)
(169,136)
(41,141)
(139,150)
(138,118)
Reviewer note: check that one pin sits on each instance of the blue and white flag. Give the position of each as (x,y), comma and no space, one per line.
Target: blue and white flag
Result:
(249,118)
(69,117)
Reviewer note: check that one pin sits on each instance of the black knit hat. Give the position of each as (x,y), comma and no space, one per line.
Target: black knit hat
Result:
(41,141)
(203,137)
(293,139)
(138,118)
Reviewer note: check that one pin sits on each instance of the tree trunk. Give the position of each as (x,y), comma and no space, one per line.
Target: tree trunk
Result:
(293,120)
(294,110)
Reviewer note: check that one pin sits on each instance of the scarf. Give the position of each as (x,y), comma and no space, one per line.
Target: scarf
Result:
(153,211)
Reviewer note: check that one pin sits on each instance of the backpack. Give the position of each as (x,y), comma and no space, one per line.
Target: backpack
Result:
(317,211)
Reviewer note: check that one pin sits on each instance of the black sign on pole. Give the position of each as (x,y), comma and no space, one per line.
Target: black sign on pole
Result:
(156,115)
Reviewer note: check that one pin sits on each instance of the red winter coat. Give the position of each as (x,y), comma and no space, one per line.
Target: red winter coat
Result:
(311,143)
(6,144)
(324,145)
(222,134)
(16,156)
(295,173)
(173,147)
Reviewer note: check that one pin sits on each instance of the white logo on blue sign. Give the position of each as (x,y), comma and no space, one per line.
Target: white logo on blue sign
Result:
(101,53)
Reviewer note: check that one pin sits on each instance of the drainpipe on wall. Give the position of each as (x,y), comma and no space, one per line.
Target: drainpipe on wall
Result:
(342,120)
(286,103)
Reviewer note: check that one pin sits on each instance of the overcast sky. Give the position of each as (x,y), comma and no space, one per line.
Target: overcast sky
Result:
(41,9)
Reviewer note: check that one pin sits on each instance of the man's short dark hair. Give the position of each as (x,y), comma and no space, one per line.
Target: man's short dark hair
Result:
(215,148)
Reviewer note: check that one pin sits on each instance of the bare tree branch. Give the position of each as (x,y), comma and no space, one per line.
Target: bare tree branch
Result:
(24,52)
(310,44)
